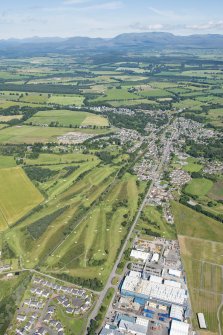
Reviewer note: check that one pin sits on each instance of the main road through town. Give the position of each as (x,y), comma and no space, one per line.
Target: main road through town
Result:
(113,272)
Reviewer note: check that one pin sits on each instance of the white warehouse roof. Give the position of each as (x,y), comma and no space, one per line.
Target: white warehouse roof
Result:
(202,322)
(176,312)
(139,255)
(172,283)
(155,257)
(179,328)
(155,279)
(135,274)
(142,321)
(151,290)
(133,328)
(176,273)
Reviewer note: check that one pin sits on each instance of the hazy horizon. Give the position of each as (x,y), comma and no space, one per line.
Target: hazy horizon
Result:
(107,18)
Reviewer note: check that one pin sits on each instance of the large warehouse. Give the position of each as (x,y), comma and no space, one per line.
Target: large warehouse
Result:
(151,290)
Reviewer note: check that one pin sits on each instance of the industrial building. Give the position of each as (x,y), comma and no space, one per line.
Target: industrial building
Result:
(168,292)
(179,328)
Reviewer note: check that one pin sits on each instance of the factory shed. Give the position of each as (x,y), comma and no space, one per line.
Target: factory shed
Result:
(179,328)
(176,312)
(201,320)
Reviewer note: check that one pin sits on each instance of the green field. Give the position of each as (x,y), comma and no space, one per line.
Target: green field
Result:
(199,186)
(65,118)
(66,100)
(216,192)
(192,166)
(201,247)
(29,134)
(18,196)
(194,224)
(7,162)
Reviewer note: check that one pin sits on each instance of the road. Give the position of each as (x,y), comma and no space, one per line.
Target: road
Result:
(113,272)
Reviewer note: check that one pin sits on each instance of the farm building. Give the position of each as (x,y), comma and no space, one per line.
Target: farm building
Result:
(201,320)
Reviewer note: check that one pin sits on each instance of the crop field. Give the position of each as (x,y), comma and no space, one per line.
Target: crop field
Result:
(65,118)
(18,195)
(199,186)
(7,118)
(194,224)
(203,264)
(202,252)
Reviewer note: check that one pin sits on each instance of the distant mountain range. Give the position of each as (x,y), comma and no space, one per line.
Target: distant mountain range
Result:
(151,40)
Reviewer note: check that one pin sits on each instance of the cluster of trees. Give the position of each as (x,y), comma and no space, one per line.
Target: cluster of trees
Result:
(39,174)
(212,149)
(93,284)
(38,227)
(138,121)
(41,88)
(198,208)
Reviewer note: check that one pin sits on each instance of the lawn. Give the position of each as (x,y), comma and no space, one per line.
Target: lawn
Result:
(18,195)
(192,166)
(65,118)
(199,186)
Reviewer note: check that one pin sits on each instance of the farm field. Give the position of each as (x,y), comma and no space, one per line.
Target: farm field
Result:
(9,118)
(202,252)
(19,195)
(66,118)
(194,224)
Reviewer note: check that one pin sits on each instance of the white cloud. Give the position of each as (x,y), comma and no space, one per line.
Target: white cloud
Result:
(147,27)
(74,2)
(210,25)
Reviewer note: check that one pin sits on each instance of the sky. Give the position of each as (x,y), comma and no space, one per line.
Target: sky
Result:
(108,18)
